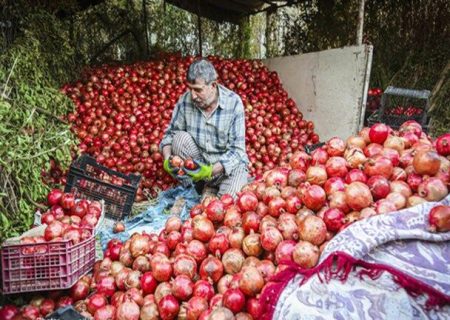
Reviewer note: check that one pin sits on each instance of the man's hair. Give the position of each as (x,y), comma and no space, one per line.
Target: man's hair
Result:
(201,69)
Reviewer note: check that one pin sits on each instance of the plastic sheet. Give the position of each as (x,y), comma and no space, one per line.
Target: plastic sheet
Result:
(154,218)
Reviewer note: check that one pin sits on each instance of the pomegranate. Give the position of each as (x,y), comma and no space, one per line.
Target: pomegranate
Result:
(316,175)
(233,217)
(276,206)
(195,306)
(234,300)
(182,287)
(293,204)
(277,177)
(247,201)
(358,196)
(336,167)
(314,197)
(233,260)
(251,221)
(333,185)
(295,177)
(335,147)
(219,244)
(251,245)
(173,224)
(284,251)
(378,133)
(212,268)
(432,189)
(439,218)
(384,206)
(139,245)
(148,283)
(79,290)
(202,228)
(254,308)
(398,199)
(149,311)
(379,165)
(270,238)
(394,142)
(379,187)
(305,254)
(215,211)
(426,162)
(236,237)
(168,307)
(106,312)
(203,289)
(96,301)
(334,219)
(251,282)
(319,156)
(337,200)
(312,229)
(443,144)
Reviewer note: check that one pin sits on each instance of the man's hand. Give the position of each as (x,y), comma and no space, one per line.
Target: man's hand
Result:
(203,172)
(169,169)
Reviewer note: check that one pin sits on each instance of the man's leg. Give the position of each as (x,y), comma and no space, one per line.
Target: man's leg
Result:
(234,182)
(183,145)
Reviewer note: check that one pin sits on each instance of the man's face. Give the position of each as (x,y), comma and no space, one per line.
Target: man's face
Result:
(203,94)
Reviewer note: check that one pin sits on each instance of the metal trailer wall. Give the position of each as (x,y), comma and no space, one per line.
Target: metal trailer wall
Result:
(330,87)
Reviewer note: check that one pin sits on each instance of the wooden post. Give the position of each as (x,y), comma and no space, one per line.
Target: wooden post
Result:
(267,35)
(200,42)
(144,12)
(360,27)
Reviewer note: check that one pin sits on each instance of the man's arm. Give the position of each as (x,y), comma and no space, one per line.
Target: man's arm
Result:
(177,123)
(236,149)
(167,151)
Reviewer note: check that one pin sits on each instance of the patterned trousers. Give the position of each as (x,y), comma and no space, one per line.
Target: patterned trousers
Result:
(184,146)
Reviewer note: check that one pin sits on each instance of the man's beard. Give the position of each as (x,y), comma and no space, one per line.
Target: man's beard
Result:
(204,105)
(199,104)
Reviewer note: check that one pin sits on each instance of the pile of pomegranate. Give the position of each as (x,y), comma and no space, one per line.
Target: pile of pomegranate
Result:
(67,218)
(122,112)
(215,265)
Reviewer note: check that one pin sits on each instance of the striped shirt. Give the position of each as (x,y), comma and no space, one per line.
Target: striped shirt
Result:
(221,137)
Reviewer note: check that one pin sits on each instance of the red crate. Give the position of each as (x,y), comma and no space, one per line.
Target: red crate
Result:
(45,266)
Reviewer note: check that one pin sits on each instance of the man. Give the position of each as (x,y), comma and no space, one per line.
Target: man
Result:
(208,125)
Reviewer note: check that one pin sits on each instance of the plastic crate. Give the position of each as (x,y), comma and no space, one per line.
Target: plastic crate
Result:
(375,118)
(89,180)
(44,266)
(399,105)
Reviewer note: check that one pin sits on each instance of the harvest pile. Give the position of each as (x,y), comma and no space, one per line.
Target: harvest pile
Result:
(405,110)
(218,261)
(122,113)
(66,219)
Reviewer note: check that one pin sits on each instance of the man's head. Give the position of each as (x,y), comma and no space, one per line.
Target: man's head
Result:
(201,80)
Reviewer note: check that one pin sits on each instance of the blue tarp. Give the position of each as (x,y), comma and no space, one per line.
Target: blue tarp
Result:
(154,218)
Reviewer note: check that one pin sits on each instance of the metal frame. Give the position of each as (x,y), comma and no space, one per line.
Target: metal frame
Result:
(230,10)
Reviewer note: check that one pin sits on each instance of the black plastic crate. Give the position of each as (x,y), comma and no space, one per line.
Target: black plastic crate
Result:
(66,313)
(399,105)
(89,180)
